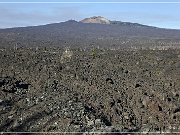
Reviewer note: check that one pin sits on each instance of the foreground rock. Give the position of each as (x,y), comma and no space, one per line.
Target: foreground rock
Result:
(94,90)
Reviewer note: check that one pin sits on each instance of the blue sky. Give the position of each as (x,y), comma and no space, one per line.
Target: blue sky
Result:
(160,15)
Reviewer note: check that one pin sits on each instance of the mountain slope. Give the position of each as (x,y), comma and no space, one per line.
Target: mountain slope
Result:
(75,32)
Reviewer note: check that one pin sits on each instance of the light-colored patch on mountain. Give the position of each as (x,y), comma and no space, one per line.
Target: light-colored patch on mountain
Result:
(96,19)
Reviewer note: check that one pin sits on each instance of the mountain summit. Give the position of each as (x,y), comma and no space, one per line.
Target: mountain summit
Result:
(102,20)
(96,19)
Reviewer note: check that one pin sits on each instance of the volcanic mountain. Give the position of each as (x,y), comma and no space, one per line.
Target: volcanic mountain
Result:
(88,32)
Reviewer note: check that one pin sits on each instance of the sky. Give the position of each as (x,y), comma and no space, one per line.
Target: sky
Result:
(164,15)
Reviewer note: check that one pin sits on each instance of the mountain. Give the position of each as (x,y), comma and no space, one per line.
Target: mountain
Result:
(73,33)
(96,19)
(103,20)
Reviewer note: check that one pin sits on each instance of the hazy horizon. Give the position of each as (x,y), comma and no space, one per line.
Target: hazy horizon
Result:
(21,15)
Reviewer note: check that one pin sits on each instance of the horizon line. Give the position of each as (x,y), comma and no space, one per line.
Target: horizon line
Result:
(98,2)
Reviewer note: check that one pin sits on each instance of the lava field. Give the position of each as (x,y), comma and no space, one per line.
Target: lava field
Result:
(89,90)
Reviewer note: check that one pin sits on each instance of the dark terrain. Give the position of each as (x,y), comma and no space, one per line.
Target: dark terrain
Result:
(91,90)
(75,34)
(76,77)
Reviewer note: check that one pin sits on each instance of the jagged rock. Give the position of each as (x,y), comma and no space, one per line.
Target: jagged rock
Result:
(86,94)
(11,85)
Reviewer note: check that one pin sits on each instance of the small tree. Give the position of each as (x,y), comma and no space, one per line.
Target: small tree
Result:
(94,53)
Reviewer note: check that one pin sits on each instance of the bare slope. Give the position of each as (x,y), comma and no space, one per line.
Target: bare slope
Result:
(78,33)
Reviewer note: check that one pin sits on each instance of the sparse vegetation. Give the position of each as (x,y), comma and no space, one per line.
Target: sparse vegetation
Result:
(67,54)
